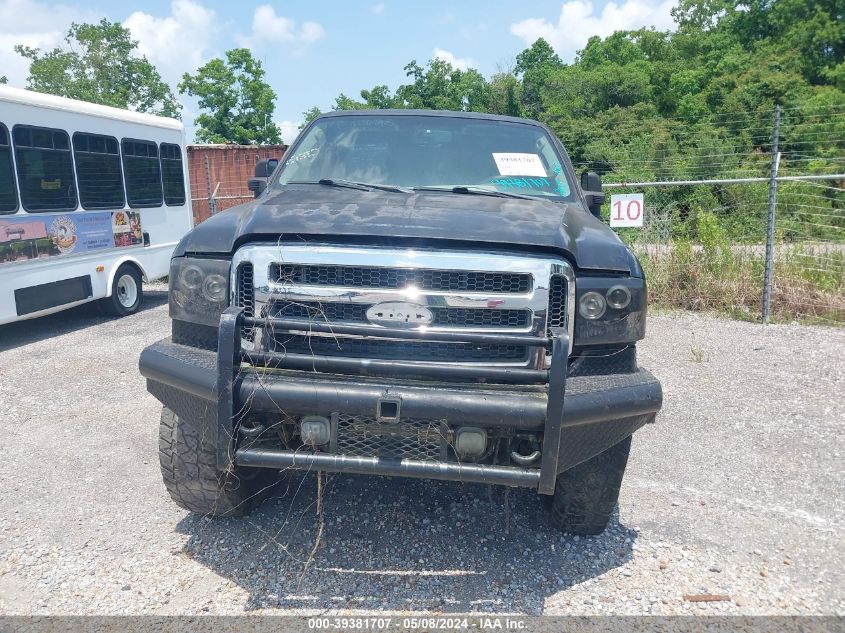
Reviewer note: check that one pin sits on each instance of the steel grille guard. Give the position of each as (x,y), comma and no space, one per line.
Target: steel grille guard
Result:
(230,357)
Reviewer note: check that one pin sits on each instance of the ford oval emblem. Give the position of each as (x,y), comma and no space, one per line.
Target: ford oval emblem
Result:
(399,314)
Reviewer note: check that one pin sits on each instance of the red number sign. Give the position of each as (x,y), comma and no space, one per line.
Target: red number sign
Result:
(626,209)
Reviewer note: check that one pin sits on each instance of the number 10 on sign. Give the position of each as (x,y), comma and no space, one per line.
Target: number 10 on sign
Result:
(626,209)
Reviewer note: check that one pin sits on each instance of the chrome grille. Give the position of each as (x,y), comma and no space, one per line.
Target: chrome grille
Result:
(557,316)
(245,289)
(245,295)
(362,436)
(398,278)
(471,291)
(357,313)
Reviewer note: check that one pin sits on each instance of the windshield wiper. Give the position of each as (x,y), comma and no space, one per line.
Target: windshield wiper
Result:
(350,184)
(477,191)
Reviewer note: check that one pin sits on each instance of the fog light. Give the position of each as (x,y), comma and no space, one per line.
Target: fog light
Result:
(470,441)
(592,305)
(315,430)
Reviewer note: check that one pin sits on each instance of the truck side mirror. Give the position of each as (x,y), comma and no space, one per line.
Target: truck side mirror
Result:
(256,185)
(591,186)
(265,168)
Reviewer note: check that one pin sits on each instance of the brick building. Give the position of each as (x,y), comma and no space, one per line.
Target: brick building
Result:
(219,174)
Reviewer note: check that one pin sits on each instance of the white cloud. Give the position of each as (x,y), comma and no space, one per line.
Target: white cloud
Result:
(269,27)
(461,63)
(311,32)
(35,24)
(177,43)
(289,130)
(377,8)
(578,22)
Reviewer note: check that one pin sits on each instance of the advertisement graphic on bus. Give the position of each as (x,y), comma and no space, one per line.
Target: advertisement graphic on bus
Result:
(62,234)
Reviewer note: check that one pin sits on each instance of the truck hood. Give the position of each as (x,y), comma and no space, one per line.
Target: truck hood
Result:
(323,212)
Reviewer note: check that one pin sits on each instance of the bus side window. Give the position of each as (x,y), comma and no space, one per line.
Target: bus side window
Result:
(172,174)
(98,171)
(8,193)
(142,173)
(45,169)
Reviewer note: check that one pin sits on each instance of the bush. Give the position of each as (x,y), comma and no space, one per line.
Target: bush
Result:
(714,274)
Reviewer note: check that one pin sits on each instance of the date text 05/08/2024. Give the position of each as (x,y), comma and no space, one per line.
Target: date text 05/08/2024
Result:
(416,623)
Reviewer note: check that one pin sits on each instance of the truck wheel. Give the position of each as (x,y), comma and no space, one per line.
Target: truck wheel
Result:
(126,292)
(189,468)
(586,494)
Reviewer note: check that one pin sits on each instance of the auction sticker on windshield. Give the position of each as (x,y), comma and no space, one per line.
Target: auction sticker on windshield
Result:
(512,164)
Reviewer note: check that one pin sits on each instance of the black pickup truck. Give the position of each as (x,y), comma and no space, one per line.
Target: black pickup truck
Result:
(415,294)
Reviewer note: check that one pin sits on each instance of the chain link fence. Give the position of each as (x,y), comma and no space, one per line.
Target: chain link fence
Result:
(723,215)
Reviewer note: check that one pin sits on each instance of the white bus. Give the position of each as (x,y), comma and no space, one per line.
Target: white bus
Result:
(93,201)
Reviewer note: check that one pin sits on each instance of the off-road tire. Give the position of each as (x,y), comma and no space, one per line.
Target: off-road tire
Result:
(188,462)
(586,495)
(113,304)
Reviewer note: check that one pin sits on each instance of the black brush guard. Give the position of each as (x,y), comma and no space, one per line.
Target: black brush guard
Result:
(230,356)
(596,413)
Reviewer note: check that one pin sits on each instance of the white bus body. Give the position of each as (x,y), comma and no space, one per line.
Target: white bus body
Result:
(93,189)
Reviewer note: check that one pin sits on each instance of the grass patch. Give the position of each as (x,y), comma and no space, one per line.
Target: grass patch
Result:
(716,275)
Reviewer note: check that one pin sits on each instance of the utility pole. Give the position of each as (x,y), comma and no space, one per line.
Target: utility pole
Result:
(770,234)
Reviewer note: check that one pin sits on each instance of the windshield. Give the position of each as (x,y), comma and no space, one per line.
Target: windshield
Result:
(426,151)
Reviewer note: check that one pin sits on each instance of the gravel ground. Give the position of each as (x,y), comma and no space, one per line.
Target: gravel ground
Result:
(737,490)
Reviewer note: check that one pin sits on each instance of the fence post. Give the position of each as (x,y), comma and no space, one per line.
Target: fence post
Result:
(212,203)
(770,234)
(214,199)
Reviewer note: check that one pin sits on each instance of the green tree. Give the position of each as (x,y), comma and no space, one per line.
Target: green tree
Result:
(379,97)
(504,94)
(614,72)
(342,102)
(309,115)
(100,64)
(534,65)
(539,55)
(237,104)
(3,79)
(440,86)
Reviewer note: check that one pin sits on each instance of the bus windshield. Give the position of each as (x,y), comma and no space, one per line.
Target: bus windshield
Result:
(411,151)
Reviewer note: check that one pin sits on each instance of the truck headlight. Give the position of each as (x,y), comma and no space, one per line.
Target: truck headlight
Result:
(592,305)
(618,297)
(214,288)
(199,289)
(610,310)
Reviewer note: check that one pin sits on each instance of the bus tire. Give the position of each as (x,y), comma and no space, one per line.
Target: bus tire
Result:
(126,292)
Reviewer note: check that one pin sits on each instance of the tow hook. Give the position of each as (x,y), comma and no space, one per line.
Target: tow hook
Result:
(525,450)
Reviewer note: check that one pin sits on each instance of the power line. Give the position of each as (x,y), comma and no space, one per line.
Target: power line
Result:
(722,181)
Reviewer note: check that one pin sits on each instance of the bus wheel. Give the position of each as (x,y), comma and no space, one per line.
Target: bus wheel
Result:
(126,292)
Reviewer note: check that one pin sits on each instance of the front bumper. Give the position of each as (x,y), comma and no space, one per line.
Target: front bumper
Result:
(579,417)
